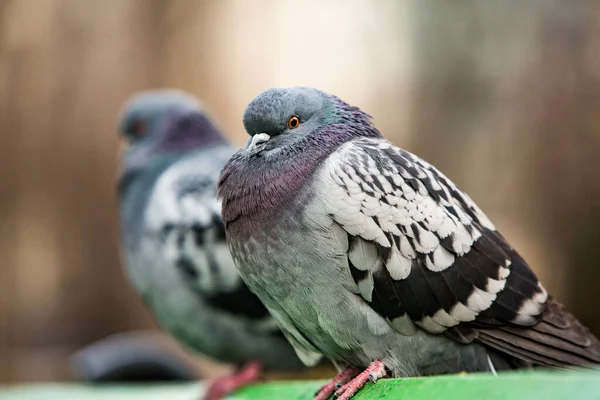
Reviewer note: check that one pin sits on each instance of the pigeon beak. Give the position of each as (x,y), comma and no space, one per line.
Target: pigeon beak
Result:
(256,140)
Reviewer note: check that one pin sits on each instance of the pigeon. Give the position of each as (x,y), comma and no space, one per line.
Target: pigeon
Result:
(368,255)
(173,238)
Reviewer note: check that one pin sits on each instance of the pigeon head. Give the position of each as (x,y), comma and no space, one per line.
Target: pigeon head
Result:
(161,126)
(293,130)
(147,112)
(164,122)
(283,117)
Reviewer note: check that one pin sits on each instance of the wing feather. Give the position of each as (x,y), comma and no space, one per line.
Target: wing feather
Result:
(423,254)
(183,217)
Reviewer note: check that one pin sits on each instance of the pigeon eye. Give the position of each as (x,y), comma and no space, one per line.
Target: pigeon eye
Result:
(136,128)
(293,122)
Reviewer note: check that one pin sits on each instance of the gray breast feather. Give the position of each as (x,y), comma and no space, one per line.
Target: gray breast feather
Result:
(305,351)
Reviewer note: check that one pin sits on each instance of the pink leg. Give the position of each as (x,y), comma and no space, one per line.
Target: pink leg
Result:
(374,371)
(340,379)
(251,372)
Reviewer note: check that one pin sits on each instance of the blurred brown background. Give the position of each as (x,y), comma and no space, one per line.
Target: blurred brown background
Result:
(504,97)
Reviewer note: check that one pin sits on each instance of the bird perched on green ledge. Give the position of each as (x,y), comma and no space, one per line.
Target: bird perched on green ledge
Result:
(173,238)
(370,256)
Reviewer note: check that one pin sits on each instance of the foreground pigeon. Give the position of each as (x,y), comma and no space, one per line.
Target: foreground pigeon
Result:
(370,256)
(174,241)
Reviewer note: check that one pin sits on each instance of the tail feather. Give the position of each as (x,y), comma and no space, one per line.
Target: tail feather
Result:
(517,352)
(559,340)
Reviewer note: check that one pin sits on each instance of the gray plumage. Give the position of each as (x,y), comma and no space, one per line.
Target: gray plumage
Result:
(363,251)
(173,237)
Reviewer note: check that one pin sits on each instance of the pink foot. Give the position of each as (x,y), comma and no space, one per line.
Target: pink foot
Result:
(340,379)
(374,371)
(251,372)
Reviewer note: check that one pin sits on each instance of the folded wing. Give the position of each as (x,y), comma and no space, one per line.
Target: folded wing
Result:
(424,256)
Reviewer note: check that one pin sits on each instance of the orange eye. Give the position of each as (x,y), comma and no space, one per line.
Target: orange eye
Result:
(293,122)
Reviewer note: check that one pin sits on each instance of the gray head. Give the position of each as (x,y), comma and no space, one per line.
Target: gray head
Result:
(160,126)
(164,122)
(292,131)
(283,116)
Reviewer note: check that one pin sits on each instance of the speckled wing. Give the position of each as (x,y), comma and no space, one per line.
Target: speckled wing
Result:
(424,256)
(183,219)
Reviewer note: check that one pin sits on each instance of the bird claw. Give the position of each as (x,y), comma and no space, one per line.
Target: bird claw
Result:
(379,372)
(374,371)
(334,385)
(340,391)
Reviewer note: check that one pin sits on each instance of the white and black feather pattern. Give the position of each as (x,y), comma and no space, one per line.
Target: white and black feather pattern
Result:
(419,250)
(185,214)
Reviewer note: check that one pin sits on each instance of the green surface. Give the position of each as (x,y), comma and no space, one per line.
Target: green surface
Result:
(524,385)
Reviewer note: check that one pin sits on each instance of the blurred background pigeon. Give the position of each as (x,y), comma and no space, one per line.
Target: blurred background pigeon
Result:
(369,255)
(174,240)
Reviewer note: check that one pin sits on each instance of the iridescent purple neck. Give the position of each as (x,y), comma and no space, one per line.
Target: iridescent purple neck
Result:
(256,189)
(352,117)
(190,132)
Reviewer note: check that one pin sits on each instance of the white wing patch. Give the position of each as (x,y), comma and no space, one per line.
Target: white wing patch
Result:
(373,211)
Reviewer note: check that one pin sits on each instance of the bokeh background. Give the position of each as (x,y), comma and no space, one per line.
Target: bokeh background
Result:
(504,97)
